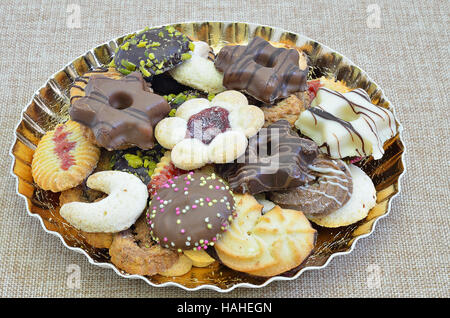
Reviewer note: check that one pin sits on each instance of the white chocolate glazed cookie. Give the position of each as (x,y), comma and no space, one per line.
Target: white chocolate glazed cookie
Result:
(348,124)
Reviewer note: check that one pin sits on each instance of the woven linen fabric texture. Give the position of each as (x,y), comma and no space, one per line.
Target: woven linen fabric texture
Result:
(407,54)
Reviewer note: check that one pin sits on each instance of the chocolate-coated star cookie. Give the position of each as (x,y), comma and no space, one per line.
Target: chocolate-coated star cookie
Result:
(261,70)
(279,159)
(121,112)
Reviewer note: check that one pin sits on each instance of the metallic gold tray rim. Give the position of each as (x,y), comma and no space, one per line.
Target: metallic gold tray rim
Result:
(209,286)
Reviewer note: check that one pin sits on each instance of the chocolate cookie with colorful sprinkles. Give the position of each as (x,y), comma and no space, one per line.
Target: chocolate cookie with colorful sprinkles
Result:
(153,51)
(191,211)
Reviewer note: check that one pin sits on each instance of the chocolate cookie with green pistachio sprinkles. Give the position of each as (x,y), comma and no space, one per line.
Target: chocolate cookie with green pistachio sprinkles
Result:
(175,100)
(140,163)
(153,51)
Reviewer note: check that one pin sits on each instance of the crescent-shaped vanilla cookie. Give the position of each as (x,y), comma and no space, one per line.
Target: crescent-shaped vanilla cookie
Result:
(126,201)
(265,245)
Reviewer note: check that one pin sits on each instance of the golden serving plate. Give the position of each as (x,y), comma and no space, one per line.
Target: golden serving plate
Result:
(49,106)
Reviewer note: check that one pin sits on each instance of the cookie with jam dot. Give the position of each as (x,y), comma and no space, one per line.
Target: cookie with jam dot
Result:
(153,51)
(191,211)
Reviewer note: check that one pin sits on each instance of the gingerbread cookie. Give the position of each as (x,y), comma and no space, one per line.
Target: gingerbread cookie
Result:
(121,113)
(64,157)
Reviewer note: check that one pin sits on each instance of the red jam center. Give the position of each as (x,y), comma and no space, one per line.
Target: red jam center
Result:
(208,123)
(63,147)
(313,87)
(165,175)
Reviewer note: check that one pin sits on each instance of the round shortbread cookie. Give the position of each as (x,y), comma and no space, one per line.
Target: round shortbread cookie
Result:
(265,245)
(361,201)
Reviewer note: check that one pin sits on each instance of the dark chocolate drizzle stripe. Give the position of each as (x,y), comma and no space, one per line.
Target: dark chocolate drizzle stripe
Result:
(75,96)
(315,111)
(295,154)
(363,94)
(81,79)
(373,126)
(352,104)
(245,70)
(77,86)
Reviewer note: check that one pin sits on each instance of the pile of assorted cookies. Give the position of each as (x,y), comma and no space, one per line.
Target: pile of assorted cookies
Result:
(176,156)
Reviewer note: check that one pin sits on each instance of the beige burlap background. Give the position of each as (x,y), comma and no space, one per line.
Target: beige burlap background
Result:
(408,56)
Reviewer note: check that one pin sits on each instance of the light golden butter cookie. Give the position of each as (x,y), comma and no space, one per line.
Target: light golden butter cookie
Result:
(64,157)
(181,267)
(199,258)
(265,245)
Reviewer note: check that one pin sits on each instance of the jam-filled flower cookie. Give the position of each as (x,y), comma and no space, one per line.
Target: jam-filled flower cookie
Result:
(204,132)
(265,245)
(64,157)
